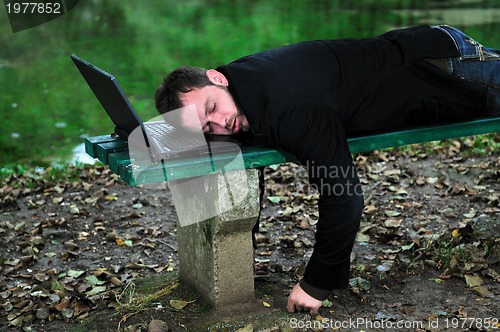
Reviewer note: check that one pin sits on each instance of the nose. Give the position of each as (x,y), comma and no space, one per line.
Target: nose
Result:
(220,121)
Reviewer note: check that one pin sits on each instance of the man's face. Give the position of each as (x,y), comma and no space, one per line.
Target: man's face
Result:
(216,108)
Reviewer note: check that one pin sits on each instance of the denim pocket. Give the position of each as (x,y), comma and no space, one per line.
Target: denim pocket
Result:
(469,48)
(476,62)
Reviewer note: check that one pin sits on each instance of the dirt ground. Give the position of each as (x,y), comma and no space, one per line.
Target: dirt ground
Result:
(84,252)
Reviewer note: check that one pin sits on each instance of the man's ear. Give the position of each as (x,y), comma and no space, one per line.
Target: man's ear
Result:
(216,77)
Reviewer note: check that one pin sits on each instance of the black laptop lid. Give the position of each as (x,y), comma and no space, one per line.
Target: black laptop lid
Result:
(110,95)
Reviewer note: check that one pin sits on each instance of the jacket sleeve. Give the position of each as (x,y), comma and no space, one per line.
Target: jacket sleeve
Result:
(315,135)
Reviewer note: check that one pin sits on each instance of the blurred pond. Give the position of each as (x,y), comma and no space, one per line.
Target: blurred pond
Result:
(47,108)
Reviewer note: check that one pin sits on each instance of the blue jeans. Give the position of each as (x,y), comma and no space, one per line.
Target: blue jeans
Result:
(476,63)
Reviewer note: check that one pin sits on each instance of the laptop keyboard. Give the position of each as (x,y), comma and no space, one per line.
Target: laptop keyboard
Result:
(164,133)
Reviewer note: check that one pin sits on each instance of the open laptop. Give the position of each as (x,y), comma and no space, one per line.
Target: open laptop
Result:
(161,138)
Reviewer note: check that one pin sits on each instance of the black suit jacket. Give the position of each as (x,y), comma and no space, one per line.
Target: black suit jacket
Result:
(306,98)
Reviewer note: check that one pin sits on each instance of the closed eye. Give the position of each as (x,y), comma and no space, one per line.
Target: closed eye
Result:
(208,126)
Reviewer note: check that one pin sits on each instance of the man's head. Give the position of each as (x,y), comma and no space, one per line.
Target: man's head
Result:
(207,91)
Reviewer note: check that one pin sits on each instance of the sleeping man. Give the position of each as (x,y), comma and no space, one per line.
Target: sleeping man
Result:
(306,98)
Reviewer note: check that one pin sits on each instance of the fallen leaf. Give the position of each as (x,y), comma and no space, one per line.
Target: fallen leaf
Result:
(274,199)
(493,274)
(57,200)
(179,304)
(16,320)
(362,238)
(157,325)
(5,294)
(115,281)
(12,261)
(287,213)
(70,245)
(431,180)
(390,213)
(83,287)
(420,180)
(462,312)
(110,198)
(93,280)
(392,172)
(402,192)
(393,223)
(135,266)
(457,189)
(306,242)
(473,280)
(265,304)
(91,200)
(73,209)
(383,316)
(57,286)
(20,225)
(439,313)
(75,273)
(483,291)
(96,290)
(408,308)
(58,189)
(408,246)
(82,236)
(370,209)
(471,214)
(361,283)
(67,313)
(326,304)
(63,304)
(384,267)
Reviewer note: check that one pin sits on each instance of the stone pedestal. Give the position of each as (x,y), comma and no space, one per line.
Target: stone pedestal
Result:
(216,215)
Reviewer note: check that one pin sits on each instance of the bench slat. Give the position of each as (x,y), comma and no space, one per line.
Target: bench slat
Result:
(105,149)
(92,142)
(420,135)
(114,152)
(117,160)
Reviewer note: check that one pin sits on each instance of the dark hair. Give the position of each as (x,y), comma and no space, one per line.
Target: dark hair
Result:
(181,80)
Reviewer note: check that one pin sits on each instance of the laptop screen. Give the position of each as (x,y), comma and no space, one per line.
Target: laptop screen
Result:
(110,95)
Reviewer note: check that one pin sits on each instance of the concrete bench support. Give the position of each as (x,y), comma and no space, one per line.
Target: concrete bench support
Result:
(216,254)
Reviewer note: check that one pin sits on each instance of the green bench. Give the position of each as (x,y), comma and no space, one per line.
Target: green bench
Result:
(216,255)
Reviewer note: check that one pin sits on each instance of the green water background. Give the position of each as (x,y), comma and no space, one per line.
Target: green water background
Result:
(47,108)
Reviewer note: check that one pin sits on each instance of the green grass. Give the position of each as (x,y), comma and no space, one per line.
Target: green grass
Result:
(140,295)
(468,146)
(27,176)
